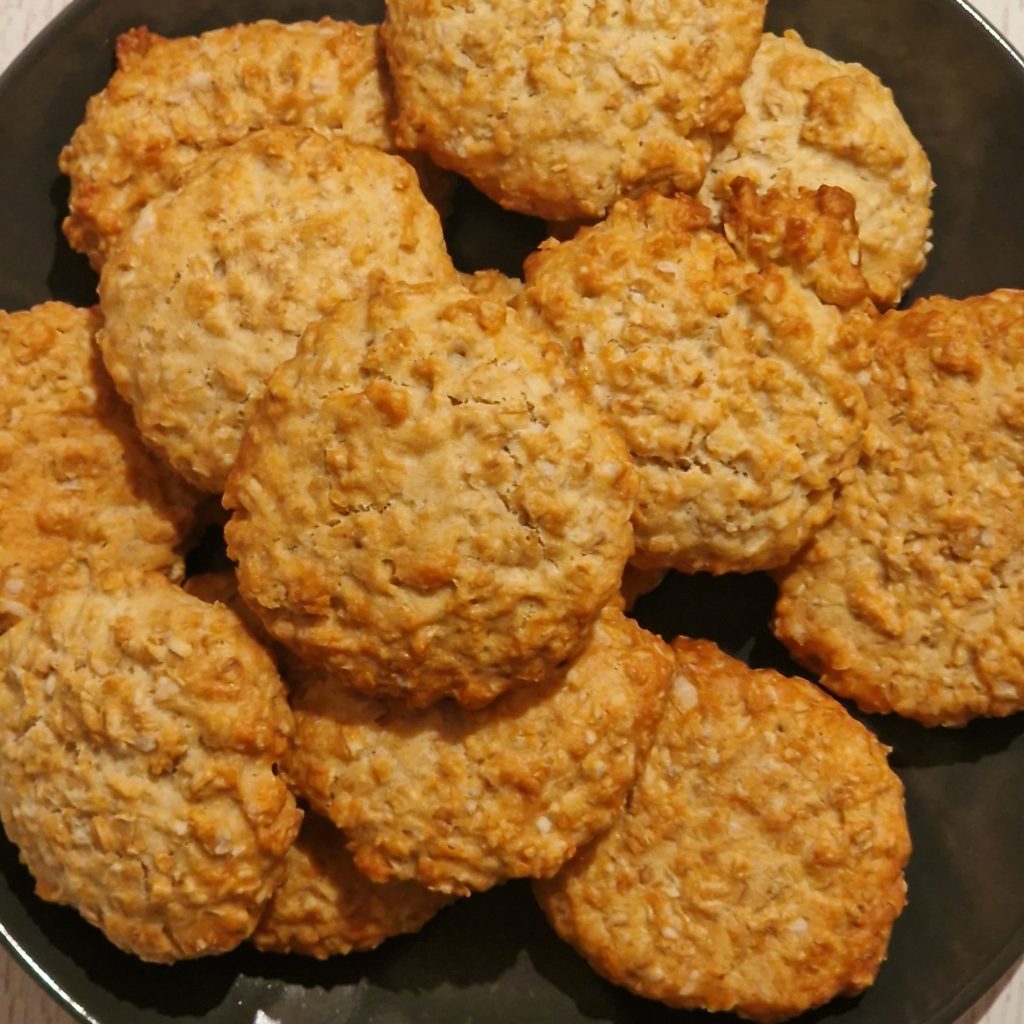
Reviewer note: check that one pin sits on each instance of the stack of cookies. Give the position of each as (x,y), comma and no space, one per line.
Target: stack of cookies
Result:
(438,490)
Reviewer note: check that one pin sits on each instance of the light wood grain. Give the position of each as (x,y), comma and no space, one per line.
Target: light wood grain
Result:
(21,1000)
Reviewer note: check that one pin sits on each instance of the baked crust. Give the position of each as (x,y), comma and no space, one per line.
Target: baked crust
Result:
(171,100)
(911,599)
(462,800)
(140,731)
(559,107)
(221,588)
(812,120)
(213,285)
(326,907)
(426,503)
(80,492)
(724,375)
(492,284)
(758,866)
(812,232)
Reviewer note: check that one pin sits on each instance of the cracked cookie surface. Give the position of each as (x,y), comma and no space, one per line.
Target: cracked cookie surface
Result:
(141,731)
(758,866)
(426,503)
(911,599)
(462,800)
(723,374)
(213,285)
(559,107)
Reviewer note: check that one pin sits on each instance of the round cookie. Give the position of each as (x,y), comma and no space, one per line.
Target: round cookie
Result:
(812,120)
(912,599)
(80,492)
(559,107)
(461,800)
(724,375)
(213,285)
(426,503)
(140,731)
(325,906)
(758,866)
(171,100)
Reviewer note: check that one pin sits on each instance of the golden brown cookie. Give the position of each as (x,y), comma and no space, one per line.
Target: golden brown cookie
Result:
(724,375)
(213,285)
(425,501)
(462,800)
(559,108)
(325,906)
(758,866)
(812,120)
(140,731)
(80,492)
(912,598)
(171,100)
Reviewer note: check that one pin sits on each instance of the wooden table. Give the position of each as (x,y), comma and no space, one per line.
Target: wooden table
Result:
(21,1000)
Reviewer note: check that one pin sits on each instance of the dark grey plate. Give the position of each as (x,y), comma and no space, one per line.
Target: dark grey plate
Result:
(492,958)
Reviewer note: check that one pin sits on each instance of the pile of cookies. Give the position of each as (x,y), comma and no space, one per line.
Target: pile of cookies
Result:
(439,490)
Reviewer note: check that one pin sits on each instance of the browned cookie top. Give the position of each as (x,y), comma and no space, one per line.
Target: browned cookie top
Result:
(140,733)
(812,120)
(463,799)
(171,100)
(718,364)
(213,285)
(425,501)
(912,598)
(758,866)
(559,107)
(79,491)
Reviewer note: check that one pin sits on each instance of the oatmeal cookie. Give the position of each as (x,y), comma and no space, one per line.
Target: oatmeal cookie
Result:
(80,492)
(723,374)
(325,906)
(140,731)
(425,501)
(213,285)
(461,800)
(559,107)
(912,599)
(171,100)
(812,120)
(758,867)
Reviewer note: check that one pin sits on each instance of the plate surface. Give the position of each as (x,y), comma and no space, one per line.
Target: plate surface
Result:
(493,958)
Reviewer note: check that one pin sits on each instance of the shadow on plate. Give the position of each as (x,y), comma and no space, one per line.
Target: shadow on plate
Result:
(460,947)
(735,610)
(481,235)
(71,279)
